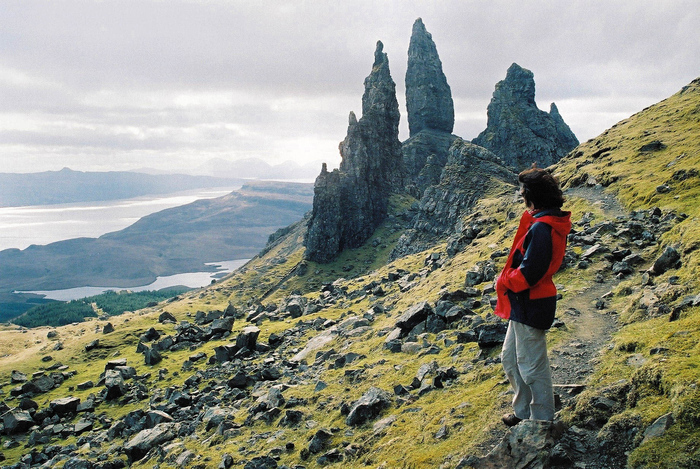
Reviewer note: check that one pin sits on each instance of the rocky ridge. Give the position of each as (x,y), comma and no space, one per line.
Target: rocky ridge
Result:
(471,173)
(519,132)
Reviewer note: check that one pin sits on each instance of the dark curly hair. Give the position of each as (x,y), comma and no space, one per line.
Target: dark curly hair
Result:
(541,189)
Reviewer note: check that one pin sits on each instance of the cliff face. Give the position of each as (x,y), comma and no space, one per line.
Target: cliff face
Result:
(470,173)
(430,113)
(519,132)
(350,202)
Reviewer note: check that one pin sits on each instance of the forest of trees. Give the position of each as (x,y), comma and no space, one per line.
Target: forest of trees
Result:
(110,303)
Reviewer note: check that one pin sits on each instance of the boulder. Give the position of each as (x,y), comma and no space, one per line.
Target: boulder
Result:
(17,421)
(658,428)
(150,335)
(44,383)
(320,441)
(18,377)
(166,317)
(528,444)
(491,334)
(156,417)
(213,416)
(137,447)
(65,405)
(114,384)
(92,345)
(151,356)
(368,407)
(221,325)
(248,338)
(670,258)
(112,364)
(261,462)
(413,316)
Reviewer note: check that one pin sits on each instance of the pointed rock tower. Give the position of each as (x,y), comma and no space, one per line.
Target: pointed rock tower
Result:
(519,132)
(431,114)
(350,202)
(428,96)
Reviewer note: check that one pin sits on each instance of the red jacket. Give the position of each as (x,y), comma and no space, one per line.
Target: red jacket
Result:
(526,292)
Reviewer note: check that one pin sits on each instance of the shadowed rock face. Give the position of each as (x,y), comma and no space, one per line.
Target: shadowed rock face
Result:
(430,113)
(350,202)
(471,171)
(428,96)
(519,132)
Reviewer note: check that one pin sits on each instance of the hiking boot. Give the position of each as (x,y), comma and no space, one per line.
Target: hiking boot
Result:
(511,420)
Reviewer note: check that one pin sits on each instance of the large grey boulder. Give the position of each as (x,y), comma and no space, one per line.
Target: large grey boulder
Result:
(519,132)
(668,259)
(151,356)
(368,407)
(64,405)
(114,383)
(137,447)
(17,421)
(221,325)
(528,444)
(248,338)
(18,377)
(156,417)
(413,316)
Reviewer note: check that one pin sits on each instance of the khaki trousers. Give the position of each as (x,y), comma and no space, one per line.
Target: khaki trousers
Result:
(525,362)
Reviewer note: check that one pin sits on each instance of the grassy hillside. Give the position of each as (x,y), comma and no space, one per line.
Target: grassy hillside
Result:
(647,369)
(652,160)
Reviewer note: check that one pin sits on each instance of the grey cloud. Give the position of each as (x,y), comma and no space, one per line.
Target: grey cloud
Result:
(298,67)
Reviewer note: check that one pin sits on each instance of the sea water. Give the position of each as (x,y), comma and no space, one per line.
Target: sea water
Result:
(21,227)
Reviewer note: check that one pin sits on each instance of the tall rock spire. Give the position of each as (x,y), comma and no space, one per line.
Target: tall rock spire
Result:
(428,96)
(350,202)
(519,132)
(431,114)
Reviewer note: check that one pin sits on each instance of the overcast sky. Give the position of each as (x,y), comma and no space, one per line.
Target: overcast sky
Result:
(120,85)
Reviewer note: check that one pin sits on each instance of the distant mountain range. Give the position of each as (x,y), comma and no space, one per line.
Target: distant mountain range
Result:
(69,186)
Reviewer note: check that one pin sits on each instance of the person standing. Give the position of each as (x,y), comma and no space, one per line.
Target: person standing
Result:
(527,295)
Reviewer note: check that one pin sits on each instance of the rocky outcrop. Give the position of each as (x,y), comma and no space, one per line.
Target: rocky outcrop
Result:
(424,157)
(428,96)
(471,171)
(430,113)
(350,202)
(519,132)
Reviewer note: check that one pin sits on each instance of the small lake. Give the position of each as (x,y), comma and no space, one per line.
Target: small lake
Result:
(191,279)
